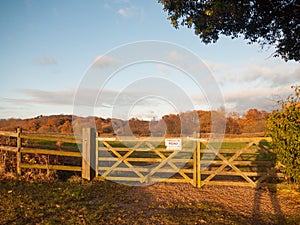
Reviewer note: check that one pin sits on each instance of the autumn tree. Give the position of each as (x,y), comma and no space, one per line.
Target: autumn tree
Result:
(273,22)
(232,126)
(254,121)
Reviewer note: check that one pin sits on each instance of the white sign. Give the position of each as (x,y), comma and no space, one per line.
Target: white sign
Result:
(173,143)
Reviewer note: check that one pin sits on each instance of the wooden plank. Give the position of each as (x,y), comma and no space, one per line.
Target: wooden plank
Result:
(239,163)
(231,173)
(246,139)
(8,148)
(51,152)
(88,153)
(227,183)
(97,155)
(49,138)
(232,151)
(153,179)
(19,146)
(147,160)
(138,179)
(50,167)
(142,169)
(198,162)
(159,160)
(195,168)
(8,133)
(172,180)
(124,149)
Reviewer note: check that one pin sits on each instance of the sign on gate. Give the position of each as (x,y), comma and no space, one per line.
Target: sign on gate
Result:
(173,143)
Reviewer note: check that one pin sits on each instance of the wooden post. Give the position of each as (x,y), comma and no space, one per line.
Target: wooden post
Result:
(97,156)
(198,164)
(195,162)
(19,145)
(88,153)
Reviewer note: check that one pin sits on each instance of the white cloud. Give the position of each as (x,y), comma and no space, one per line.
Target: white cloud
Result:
(125,12)
(176,56)
(132,12)
(103,61)
(46,61)
(255,85)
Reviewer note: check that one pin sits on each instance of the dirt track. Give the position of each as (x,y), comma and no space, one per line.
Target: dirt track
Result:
(246,205)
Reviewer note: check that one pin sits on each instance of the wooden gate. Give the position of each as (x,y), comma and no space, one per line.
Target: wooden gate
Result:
(238,162)
(145,161)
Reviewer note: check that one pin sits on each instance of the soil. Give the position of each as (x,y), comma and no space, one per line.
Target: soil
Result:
(233,205)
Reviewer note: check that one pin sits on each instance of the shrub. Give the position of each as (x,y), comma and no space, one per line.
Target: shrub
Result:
(284,128)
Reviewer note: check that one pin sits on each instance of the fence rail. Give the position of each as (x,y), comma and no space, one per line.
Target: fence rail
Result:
(21,151)
(239,161)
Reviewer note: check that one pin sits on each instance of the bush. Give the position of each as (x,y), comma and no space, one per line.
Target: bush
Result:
(284,128)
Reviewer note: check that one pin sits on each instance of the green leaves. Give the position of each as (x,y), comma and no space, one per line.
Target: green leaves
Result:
(265,22)
(284,128)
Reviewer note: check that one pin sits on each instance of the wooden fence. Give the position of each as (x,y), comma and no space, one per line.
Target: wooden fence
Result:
(237,161)
(21,151)
(146,161)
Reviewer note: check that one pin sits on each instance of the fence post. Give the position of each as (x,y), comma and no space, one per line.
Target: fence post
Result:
(88,153)
(19,145)
(97,155)
(198,164)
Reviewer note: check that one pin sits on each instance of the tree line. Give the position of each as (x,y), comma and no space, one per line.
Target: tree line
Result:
(253,121)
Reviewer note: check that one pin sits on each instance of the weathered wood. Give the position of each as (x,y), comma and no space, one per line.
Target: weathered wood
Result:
(126,149)
(88,153)
(19,146)
(97,155)
(198,160)
(249,174)
(8,148)
(142,169)
(50,167)
(8,133)
(50,152)
(49,138)
(195,167)
(227,183)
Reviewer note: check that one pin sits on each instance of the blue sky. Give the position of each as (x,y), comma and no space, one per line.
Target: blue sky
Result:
(47,48)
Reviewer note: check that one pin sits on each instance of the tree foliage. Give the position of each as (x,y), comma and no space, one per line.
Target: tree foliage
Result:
(284,128)
(272,22)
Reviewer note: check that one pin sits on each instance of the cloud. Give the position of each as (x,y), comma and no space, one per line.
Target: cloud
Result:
(46,61)
(125,12)
(103,61)
(255,85)
(175,56)
(131,12)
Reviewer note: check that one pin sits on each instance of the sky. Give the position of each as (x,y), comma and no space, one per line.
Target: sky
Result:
(49,49)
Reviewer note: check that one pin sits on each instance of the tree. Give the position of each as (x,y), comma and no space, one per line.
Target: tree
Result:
(284,128)
(232,126)
(273,22)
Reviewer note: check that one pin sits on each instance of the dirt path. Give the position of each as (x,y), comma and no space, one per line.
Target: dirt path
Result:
(185,204)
